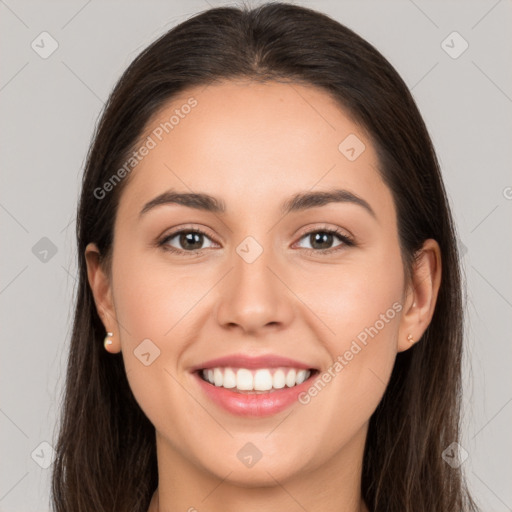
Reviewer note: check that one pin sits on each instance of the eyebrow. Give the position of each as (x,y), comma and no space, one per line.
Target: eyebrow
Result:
(298,202)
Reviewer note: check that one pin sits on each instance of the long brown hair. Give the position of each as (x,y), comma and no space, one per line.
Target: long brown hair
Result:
(106,454)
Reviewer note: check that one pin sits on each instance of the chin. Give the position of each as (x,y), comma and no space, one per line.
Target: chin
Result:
(263,473)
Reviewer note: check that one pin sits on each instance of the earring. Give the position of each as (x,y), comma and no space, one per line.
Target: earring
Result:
(107,341)
(410,338)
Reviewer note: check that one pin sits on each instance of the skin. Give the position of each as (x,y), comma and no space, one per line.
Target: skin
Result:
(254,145)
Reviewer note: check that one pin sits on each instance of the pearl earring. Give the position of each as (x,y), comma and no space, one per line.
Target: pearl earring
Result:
(410,338)
(107,340)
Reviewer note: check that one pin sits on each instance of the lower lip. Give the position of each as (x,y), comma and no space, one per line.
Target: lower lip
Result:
(255,404)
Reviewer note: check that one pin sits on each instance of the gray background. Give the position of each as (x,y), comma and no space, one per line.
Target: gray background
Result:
(49,108)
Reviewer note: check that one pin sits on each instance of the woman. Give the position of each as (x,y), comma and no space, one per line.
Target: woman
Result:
(217,362)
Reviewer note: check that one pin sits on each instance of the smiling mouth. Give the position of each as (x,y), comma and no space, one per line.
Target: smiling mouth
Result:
(256,381)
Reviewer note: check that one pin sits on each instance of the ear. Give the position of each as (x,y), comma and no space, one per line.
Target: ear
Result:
(100,287)
(421,295)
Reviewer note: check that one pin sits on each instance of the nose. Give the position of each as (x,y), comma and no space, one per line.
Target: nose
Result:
(254,295)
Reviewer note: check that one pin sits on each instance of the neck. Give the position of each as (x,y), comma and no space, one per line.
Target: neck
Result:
(333,487)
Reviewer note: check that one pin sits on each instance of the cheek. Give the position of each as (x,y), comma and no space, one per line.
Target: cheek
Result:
(153,304)
(151,297)
(354,297)
(359,308)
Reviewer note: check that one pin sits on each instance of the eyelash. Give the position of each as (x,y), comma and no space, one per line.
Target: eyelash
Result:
(347,241)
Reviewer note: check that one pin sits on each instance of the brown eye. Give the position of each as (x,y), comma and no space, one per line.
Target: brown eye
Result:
(321,241)
(190,240)
(186,240)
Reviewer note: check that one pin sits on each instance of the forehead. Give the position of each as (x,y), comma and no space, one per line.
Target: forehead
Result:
(242,140)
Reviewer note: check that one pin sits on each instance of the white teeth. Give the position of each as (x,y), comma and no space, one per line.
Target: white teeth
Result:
(244,380)
(290,378)
(278,380)
(229,378)
(264,379)
(218,378)
(301,377)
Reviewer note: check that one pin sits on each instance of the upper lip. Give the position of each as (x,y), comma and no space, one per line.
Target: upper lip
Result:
(246,361)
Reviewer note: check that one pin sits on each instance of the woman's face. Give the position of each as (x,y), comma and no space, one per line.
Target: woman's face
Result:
(267,280)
